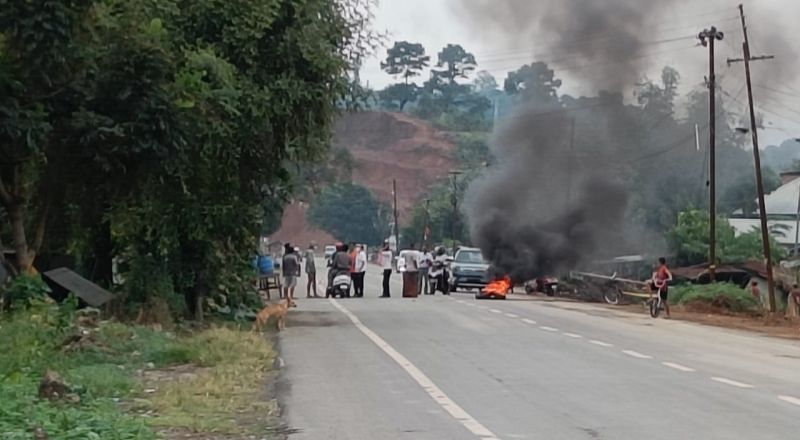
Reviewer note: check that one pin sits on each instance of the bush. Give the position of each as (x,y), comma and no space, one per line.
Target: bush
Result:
(23,290)
(726,296)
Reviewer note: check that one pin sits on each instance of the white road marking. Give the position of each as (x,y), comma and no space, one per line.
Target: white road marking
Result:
(636,354)
(601,343)
(424,381)
(572,335)
(678,367)
(471,304)
(731,382)
(511,315)
(495,311)
(548,329)
(790,399)
(528,321)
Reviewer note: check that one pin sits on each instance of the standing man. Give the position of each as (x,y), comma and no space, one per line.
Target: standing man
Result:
(426,260)
(360,269)
(291,270)
(411,274)
(311,271)
(385,260)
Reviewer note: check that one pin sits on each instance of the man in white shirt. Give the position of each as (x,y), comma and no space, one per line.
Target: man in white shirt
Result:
(385,260)
(426,260)
(360,269)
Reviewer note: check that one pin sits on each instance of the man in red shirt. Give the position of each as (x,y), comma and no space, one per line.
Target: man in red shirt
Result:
(661,279)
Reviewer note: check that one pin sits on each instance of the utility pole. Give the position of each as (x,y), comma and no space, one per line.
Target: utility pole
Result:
(427,221)
(454,174)
(396,225)
(762,210)
(707,38)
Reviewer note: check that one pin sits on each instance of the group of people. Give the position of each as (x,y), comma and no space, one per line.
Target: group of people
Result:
(352,259)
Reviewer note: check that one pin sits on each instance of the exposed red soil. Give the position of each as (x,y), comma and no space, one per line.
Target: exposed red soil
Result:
(385,146)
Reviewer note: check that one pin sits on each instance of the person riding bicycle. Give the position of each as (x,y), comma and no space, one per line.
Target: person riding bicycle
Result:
(660,283)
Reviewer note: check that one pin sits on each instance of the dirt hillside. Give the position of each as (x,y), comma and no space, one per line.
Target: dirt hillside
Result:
(385,146)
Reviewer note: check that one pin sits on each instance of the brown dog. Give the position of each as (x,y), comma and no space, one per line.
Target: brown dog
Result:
(278,310)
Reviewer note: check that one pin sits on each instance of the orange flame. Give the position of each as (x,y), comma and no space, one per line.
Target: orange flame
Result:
(499,287)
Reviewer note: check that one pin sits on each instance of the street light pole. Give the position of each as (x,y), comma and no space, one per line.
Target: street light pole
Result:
(707,38)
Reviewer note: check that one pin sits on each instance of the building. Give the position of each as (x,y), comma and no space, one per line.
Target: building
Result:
(782,206)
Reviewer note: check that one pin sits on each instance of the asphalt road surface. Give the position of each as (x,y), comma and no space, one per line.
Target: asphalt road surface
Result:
(456,368)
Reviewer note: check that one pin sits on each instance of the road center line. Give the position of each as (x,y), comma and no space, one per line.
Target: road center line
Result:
(731,382)
(528,321)
(511,315)
(572,335)
(677,367)
(790,399)
(600,343)
(636,354)
(495,311)
(422,380)
(548,329)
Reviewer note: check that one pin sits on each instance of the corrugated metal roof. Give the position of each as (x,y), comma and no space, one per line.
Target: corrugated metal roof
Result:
(786,237)
(783,201)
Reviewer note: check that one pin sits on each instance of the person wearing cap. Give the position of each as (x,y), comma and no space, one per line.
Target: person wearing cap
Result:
(290,265)
(311,271)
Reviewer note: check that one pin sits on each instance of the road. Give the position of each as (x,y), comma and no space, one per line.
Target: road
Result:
(456,368)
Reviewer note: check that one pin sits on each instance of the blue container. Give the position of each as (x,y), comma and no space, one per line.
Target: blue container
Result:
(266,265)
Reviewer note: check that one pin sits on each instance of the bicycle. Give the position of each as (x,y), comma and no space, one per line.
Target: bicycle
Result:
(656,303)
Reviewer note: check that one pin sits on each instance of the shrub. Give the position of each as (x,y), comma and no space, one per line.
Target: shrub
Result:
(23,290)
(726,296)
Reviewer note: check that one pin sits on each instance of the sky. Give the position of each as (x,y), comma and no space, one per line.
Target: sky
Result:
(435,23)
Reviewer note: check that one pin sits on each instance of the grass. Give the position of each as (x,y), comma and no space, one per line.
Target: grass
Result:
(725,296)
(107,376)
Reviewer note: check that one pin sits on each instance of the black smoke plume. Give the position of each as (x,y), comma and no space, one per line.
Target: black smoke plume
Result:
(523,216)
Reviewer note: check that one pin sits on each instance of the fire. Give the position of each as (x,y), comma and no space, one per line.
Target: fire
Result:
(500,286)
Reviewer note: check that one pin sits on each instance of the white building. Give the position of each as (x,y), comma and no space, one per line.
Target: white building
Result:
(782,207)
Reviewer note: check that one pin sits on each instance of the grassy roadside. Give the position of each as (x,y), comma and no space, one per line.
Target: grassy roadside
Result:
(132,382)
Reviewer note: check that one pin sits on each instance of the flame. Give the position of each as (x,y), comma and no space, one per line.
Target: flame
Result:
(499,286)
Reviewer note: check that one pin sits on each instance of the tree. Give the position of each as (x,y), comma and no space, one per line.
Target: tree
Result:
(742,194)
(454,62)
(398,95)
(165,130)
(689,241)
(350,212)
(405,60)
(533,82)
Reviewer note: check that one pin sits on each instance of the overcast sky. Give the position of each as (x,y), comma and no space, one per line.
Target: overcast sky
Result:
(435,23)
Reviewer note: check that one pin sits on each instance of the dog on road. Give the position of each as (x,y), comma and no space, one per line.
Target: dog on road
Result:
(279,310)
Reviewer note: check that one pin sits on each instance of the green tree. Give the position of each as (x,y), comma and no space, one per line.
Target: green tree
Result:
(689,241)
(742,195)
(396,96)
(533,82)
(351,212)
(453,63)
(405,60)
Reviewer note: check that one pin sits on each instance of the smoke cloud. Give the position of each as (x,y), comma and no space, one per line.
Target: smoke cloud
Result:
(527,222)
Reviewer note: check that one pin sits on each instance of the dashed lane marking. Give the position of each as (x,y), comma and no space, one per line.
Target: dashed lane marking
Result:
(528,321)
(636,354)
(548,329)
(511,315)
(572,335)
(600,343)
(732,382)
(495,311)
(790,399)
(678,367)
